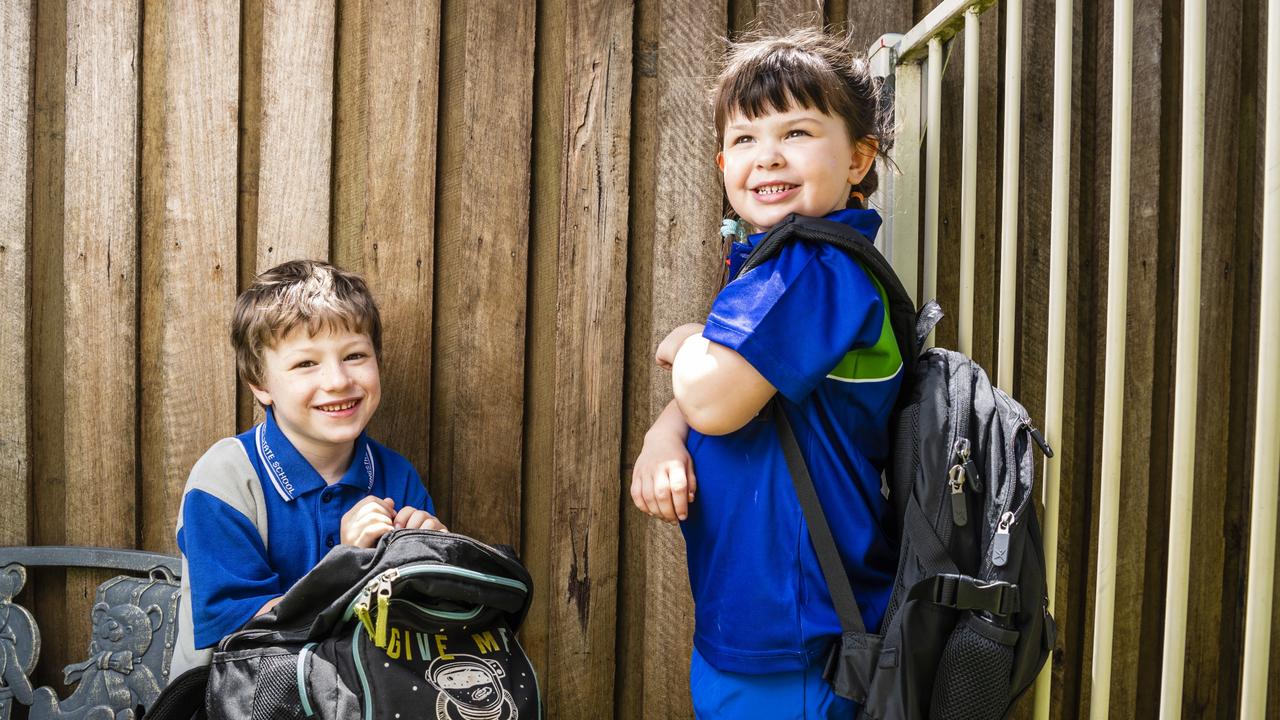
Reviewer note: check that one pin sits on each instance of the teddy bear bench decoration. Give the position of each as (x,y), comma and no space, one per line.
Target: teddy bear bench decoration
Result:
(134,620)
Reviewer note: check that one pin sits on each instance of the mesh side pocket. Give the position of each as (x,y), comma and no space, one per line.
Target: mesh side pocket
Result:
(973,673)
(275,695)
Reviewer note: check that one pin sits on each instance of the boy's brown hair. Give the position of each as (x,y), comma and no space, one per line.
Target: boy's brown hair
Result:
(804,68)
(308,294)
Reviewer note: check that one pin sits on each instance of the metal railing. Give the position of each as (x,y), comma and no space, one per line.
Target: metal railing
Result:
(915,64)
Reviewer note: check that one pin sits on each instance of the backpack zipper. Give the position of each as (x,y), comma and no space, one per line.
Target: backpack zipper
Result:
(959,506)
(1000,543)
(375,622)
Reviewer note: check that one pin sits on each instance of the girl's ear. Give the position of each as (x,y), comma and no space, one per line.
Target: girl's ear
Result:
(864,155)
(720,161)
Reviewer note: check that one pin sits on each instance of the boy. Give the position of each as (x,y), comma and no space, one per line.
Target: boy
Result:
(796,117)
(262,508)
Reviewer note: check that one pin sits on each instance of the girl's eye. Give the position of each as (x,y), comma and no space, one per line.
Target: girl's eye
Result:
(742,139)
(798,133)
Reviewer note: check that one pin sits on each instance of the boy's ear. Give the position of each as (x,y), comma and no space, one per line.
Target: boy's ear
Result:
(864,155)
(720,161)
(261,394)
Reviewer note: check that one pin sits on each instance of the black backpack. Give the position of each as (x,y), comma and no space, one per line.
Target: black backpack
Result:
(422,625)
(967,627)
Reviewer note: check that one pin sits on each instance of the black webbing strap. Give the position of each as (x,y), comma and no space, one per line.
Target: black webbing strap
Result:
(965,593)
(824,545)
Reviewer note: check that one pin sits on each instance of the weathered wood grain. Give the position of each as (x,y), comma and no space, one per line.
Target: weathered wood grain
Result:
(385,196)
(100,287)
(539,467)
(1135,478)
(482,267)
(640,368)
(16,25)
(1205,617)
(293,202)
(686,255)
(190,85)
(48,478)
(590,305)
(775,17)
(865,22)
(250,146)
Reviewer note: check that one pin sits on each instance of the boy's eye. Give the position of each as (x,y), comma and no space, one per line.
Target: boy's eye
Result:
(356,356)
(304,364)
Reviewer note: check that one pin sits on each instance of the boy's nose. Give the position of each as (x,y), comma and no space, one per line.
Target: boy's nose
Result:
(336,377)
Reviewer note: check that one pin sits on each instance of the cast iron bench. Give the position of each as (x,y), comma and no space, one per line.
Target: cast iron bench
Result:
(135,620)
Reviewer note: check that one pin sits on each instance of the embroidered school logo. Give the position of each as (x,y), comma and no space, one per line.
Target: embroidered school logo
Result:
(470,688)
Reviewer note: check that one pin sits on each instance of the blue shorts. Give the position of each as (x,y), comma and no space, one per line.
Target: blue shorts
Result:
(799,695)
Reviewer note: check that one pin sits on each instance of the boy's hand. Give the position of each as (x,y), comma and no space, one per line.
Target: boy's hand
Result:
(663,483)
(411,518)
(368,520)
(666,353)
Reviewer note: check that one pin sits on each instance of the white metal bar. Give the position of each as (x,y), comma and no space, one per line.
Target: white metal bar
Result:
(932,171)
(940,24)
(881,59)
(1056,351)
(1266,452)
(1117,311)
(1009,190)
(1187,364)
(969,180)
(906,185)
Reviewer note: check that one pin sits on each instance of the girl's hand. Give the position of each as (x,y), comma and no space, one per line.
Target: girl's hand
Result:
(368,520)
(666,353)
(662,482)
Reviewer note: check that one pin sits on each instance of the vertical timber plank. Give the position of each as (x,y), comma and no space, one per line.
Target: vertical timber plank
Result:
(16,21)
(866,22)
(481,267)
(296,131)
(48,587)
(590,302)
(537,501)
(1213,439)
(686,252)
(640,369)
(100,266)
(1140,357)
(776,17)
(248,164)
(384,196)
(190,85)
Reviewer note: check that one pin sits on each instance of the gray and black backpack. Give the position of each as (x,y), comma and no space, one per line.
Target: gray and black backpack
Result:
(967,627)
(421,626)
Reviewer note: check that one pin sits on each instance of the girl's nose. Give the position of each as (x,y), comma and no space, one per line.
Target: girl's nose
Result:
(769,157)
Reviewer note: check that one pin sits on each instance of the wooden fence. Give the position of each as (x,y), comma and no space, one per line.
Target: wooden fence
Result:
(530,190)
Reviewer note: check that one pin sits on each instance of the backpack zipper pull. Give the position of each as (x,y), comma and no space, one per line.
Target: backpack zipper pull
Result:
(384,607)
(964,458)
(362,608)
(959,507)
(1000,543)
(1038,438)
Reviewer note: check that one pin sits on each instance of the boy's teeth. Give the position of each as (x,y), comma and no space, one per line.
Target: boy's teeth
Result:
(338,407)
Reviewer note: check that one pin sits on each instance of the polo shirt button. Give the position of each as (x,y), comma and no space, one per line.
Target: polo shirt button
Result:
(329,541)
(326,496)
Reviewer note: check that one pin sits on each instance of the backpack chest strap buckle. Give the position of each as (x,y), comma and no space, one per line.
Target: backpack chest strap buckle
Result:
(965,593)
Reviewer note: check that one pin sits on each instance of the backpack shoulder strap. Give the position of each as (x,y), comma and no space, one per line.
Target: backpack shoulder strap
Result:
(902,309)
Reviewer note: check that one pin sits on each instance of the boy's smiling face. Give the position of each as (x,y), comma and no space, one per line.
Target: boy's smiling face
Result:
(799,161)
(323,388)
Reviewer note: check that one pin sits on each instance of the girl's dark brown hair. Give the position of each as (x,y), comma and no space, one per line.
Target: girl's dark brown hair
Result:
(804,68)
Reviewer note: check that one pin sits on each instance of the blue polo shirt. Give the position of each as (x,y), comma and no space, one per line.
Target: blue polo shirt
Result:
(815,325)
(230,571)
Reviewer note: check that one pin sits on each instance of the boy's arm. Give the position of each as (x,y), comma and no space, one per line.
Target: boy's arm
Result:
(662,481)
(717,389)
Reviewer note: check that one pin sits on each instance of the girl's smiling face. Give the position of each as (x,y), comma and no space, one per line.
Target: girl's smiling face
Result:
(799,161)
